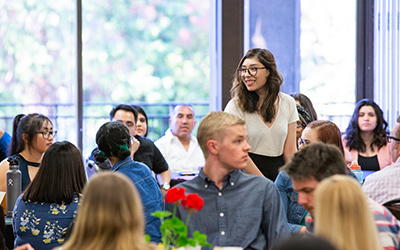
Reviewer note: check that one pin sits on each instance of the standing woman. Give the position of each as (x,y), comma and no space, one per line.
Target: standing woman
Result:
(44,211)
(32,135)
(142,121)
(270,115)
(366,138)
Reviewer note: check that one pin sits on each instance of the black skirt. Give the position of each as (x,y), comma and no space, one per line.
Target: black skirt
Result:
(268,165)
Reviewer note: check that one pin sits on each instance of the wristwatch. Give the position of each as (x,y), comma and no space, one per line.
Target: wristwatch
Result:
(165,186)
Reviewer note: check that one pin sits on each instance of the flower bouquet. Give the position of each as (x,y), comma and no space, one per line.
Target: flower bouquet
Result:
(173,230)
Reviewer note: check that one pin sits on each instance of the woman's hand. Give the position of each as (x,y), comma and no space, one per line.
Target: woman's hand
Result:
(135,144)
(26,246)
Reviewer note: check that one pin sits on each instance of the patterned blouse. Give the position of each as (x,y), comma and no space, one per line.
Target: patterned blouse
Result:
(43,225)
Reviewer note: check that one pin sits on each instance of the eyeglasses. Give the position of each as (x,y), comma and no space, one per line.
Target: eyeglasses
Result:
(391,138)
(301,142)
(252,71)
(46,134)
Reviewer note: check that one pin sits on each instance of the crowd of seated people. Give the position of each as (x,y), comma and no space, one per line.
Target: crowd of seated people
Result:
(240,153)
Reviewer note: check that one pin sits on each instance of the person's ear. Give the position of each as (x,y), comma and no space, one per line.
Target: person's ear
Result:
(25,137)
(212,146)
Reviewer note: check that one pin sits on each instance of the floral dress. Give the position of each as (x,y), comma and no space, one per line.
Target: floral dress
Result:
(43,225)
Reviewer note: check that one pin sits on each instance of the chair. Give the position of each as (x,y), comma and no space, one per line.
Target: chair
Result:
(394,207)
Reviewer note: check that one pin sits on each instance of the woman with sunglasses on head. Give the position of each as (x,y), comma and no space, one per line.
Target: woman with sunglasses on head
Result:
(270,115)
(366,137)
(32,135)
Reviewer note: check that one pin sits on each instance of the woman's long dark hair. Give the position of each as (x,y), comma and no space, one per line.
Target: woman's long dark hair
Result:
(61,175)
(353,137)
(113,139)
(248,100)
(306,103)
(25,124)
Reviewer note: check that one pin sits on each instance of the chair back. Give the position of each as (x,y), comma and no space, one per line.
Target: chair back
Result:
(394,207)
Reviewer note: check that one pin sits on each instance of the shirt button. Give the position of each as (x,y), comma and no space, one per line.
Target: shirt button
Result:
(219,193)
(221,214)
(206,186)
(222,232)
(232,183)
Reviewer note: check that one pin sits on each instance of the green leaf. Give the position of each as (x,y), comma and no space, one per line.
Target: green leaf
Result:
(161,214)
(147,238)
(201,239)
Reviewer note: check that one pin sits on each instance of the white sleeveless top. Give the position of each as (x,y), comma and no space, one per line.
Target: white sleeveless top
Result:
(264,140)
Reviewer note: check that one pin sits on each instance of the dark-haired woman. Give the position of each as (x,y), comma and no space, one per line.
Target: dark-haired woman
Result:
(114,143)
(32,135)
(305,102)
(270,115)
(44,211)
(366,138)
(142,121)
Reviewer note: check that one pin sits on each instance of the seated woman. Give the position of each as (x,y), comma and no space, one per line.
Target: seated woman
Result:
(316,131)
(304,120)
(342,215)
(306,103)
(366,138)
(44,211)
(32,135)
(114,143)
(142,121)
(110,217)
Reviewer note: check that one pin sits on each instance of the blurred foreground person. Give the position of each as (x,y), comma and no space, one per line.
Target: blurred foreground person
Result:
(342,215)
(110,217)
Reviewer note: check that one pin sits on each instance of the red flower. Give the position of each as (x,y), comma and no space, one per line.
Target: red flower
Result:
(193,201)
(175,194)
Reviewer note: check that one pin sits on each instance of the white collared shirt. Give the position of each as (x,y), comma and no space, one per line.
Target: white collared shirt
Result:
(178,159)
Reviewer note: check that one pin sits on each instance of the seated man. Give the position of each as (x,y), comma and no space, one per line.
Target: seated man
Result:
(318,161)
(239,209)
(384,185)
(146,152)
(178,146)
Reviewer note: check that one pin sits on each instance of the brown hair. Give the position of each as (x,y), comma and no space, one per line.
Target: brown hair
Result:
(248,101)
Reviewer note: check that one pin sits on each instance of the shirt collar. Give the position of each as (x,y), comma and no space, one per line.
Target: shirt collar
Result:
(120,163)
(170,136)
(231,178)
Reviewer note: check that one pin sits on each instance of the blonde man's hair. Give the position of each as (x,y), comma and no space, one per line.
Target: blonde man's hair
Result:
(213,127)
(110,216)
(342,215)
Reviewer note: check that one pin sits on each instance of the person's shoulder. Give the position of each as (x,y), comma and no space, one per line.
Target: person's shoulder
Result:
(286,97)
(191,186)
(232,105)
(163,139)
(255,180)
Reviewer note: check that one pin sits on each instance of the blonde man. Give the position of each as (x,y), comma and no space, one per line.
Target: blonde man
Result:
(239,209)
